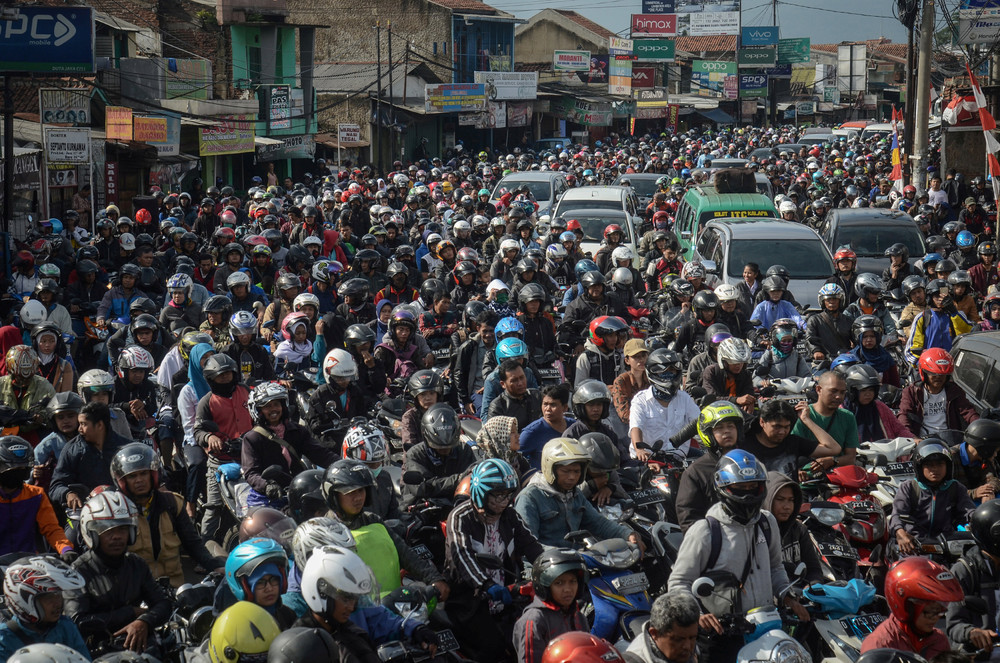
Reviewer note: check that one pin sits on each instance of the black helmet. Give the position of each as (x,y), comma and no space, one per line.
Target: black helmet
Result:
(65,401)
(305,495)
(525,265)
(440,427)
(779,270)
(932,447)
(552,564)
(531,292)
(664,368)
(424,381)
(867,323)
(84,267)
(356,287)
(934,286)
(984,524)
(713,329)
(346,476)
(357,335)
(911,283)
(131,269)
(310,211)
(705,300)
(471,313)
(898,249)
(219,304)
(299,253)
(861,376)
(233,247)
(773,284)
(983,435)
(135,457)
(395,268)
(303,644)
(604,456)
(589,279)
(287,282)
(946,265)
(590,391)
(430,287)
(218,364)
(16,454)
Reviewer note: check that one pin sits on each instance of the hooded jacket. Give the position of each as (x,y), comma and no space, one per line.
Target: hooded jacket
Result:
(924,511)
(696,492)
(979,576)
(550,513)
(796,544)
(441,474)
(766,578)
(540,623)
(596,364)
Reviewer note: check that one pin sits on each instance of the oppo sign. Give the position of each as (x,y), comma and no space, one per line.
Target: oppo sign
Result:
(654,24)
(709,66)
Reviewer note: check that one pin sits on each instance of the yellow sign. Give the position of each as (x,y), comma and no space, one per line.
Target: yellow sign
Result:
(150,129)
(118,123)
(742,213)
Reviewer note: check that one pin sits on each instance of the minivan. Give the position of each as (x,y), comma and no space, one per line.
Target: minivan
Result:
(703,203)
(621,198)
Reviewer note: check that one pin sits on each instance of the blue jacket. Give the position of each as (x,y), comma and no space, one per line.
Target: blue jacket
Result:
(64,632)
(383,625)
(767,312)
(550,514)
(535,435)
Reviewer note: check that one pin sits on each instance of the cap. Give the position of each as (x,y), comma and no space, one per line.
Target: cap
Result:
(635,346)
(970,201)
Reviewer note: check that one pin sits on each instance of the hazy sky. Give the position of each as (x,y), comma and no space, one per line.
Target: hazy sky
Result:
(820,21)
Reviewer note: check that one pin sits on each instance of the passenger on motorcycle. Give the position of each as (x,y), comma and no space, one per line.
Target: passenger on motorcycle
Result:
(784,501)
(828,416)
(295,351)
(867,332)
(467,373)
(720,429)
(366,443)
(918,592)
(975,459)
(706,308)
(553,421)
(257,572)
(962,293)
(134,388)
(253,360)
(938,325)
(487,523)
(731,378)
(181,311)
(602,484)
(23,388)
(115,304)
(337,400)
(916,296)
(876,420)
(602,357)
(539,328)
(559,578)
(732,312)
(243,632)
(660,412)
(870,289)
(441,458)
(774,307)
(714,336)
(86,459)
(977,573)
(828,333)
(935,403)
(781,359)
(632,380)
(931,504)
(399,353)
(120,592)
(33,589)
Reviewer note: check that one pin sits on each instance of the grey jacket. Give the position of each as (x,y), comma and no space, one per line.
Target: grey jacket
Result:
(979,577)
(925,512)
(539,624)
(767,577)
(550,514)
(643,650)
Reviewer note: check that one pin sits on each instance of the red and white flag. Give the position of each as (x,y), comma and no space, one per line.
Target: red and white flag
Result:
(989,126)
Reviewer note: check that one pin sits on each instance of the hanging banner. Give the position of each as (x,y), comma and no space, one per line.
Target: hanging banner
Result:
(654,50)
(978,26)
(67,145)
(171,143)
(654,25)
(731,87)
(118,123)
(753,86)
(673,116)
(756,58)
(599,68)
(501,86)
(280,107)
(519,115)
(234,135)
(582,112)
(759,36)
(571,60)
(708,78)
(708,24)
(658,6)
(494,117)
(792,51)
(149,129)
(111,182)
(450,97)
(291,147)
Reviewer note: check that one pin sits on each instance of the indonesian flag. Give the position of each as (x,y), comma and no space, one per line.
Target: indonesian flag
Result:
(989,126)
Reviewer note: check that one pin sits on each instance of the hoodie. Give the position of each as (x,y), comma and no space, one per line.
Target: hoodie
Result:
(796,544)
(550,514)
(766,578)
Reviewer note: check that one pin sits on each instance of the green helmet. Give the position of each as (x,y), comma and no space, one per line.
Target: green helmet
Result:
(711,417)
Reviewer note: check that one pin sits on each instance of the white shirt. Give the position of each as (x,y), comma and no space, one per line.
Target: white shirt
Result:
(935,416)
(659,423)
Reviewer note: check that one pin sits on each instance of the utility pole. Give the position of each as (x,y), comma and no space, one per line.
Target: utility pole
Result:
(910,105)
(772,86)
(378,97)
(392,104)
(918,160)
(8,156)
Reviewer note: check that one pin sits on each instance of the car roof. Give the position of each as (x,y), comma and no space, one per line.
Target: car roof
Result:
(606,192)
(531,176)
(596,211)
(640,176)
(740,228)
(867,215)
(710,197)
(981,341)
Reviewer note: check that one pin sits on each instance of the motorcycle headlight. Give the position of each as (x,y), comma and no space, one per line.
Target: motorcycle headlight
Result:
(829,517)
(789,651)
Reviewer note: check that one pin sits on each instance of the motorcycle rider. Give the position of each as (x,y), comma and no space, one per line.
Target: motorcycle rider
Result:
(33,591)
(720,429)
(24,506)
(440,459)
(559,578)
(366,443)
(660,412)
(671,633)
(978,572)
(828,333)
(86,459)
(602,358)
(935,403)
(254,361)
(975,459)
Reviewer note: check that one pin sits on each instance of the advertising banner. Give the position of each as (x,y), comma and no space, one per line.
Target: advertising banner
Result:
(598,73)
(658,6)
(778,71)
(978,26)
(707,24)
(792,51)
(47,40)
(450,97)
(234,135)
(57,106)
(583,112)
(118,123)
(149,129)
(673,115)
(708,77)
(67,145)
(519,115)
(571,61)
(757,58)
(619,76)
(504,85)
(279,113)
(759,36)
(654,50)
(348,133)
(753,86)
(643,77)
(654,25)
(291,147)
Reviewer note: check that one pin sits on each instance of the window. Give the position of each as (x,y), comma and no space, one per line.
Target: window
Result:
(707,243)
(992,391)
(971,369)
(804,259)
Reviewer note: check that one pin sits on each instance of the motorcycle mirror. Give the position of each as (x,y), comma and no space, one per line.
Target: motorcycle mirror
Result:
(643,445)
(489,561)
(413,478)
(703,587)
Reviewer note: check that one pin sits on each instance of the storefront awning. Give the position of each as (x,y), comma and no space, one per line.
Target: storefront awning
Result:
(329,140)
(263,141)
(717,115)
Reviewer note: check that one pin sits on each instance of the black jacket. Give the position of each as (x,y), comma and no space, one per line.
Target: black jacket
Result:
(112,593)
(696,492)
(440,479)
(525,409)
(353,643)
(980,578)
(82,463)
(465,370)
(829,335)
(256,364)
(259,453)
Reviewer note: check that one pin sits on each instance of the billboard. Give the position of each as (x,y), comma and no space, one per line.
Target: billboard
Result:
(793,51)
(759,36)
(451,97)
(233,135)
(279,107)
(654,25)
(643,77)
(619,66)
(48,40)
(118,123)
(756,58)
(64,106)
(149,129)
(708,77)
(654,50)
(703,18)
(978,26)
(504,85)
(658,6)
(753,86)
(571,61)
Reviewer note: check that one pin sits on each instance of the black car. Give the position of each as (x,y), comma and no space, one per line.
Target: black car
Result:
(977,368)
(869,232)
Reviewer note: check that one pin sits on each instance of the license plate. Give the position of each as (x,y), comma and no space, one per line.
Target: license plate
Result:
(838,550)
(423,551)
(862,623)
(442,353)
(635,582)
(548,373)
(447,641)
(898,468)
(648,496)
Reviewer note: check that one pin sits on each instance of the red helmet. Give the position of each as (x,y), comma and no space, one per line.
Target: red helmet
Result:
(143,217)
(580,647)
(606,325)
(613,228)
(909,188)
(915,581)
(573,225)
(845,254)
(935,361)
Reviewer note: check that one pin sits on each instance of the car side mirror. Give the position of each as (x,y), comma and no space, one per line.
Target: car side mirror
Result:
(710,266)
(686,234)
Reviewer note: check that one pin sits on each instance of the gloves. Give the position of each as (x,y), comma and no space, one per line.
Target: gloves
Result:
(423,635)
(69,556)
(273,491)
(500,594)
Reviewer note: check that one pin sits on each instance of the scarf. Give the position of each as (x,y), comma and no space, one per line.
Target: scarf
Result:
(195,375)
(869,422)
(878,358)
(494,439)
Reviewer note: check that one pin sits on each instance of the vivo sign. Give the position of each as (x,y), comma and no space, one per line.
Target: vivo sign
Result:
(654,24)
(759,36)
(48,40)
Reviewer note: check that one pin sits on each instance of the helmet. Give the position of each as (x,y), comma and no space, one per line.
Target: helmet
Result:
(727,292)
(831,291)
(93,381)
(622,277)
(601,450)
(287,282)
(355,288)
(563,451)
(664,368)
(247,558)
(580,647)
(983,435)
(947,266)
(339,364)
(489,475)
(845,254)
(333,571)
(305,495)
(32,313)
(935,286)
(22,361)
(30,577)
(317,532)
(511,348)
(867,323)
(584,266)
(621,253)
(49,652)
(960,277)
(965,240)
(681,287)
(180,283)
(553,563)
(402,317)
(867,284)
(430,287)
(590,391)
(532,292)
(861,376)
(263,394)
(773,284)
(242,322)
(358,335)
(424,381)
(345,476)
(736,469)
(440,427)
(303,644)
(712,416)
(107,510)
(985,248)
(219,304)
(134,356)
(787,206)
(588,279)
(931,447)
(507,326)
(243,632)
(605,325)
(932,258)
(935,361)
(985,524)
(366,443)
(915,581)
(135,457)
(47,285)
(304,299)
(218,364)
(732,351)
(144,321)
(15,454)
(705,300)
(525,265)
(911,283)
(693,270)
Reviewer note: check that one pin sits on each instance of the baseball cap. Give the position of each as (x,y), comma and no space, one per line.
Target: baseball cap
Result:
(635,346)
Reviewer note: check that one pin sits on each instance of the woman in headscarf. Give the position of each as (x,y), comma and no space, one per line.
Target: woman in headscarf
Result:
(195,389)
(498,438)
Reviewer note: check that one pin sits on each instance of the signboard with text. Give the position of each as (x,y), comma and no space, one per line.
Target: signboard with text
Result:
(67,145)
(658,6)
(708,77)
(279,111)
(118,123)
(291,147)
(504,85)
(47,40)
(707,24)
(149,129)
(753,86)
(792,51)
(978,26)
(756,58)
(759,36)
(654,25)
(654,50)
(571,61)
(64,106)
(233,135)
(643,77)
(171,143)
(450,97)
(348,133)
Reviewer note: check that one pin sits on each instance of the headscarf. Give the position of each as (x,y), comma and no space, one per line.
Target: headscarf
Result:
(381,328)
(195,374)
(878,357)
(494,439)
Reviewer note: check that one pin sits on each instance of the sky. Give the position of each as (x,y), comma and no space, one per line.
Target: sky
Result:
(852,20)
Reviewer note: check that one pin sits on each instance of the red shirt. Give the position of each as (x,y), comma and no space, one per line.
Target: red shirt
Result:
(892,634)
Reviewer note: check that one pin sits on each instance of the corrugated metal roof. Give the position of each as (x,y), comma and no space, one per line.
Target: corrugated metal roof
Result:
(713,44)
(586,23)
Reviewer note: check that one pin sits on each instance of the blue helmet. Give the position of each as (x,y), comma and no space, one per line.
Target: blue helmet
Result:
(584,266)
(844,361)
(965,239)
(511,348)
(508,325)
(567,236)
(247,561)
(932,257)
(735,475)
(489,475)
(685,173)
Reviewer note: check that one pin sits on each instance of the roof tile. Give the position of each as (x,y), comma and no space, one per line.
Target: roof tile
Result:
(712,44)
(473,6)
(586,23)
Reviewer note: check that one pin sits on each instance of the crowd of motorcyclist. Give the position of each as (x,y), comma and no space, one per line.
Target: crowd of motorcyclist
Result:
(258,336)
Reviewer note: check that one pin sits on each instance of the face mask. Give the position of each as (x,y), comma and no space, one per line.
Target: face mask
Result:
(224,390)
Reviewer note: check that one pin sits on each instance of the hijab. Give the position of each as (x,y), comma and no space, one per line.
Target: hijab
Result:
(494,439)
(195,374)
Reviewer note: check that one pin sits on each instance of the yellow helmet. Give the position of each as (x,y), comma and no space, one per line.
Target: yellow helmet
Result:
(563,451)
(711,416)
(242,632)
(447,187)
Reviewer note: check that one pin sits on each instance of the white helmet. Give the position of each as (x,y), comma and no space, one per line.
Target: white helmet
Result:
(462,224)
(373,211)
(727,292)
(95,380)
(508,245)
(316,533)
(385,209)
(238,278)
(263,394)
(47,652)
(305,299)
(312,239)
(733,351)
(127,241)
(787,206)
(33,313)
(332,570)
(780,198)
(622,277)
(134,357)
(496,285)
(621,253)
(557,251)
(309,201)
(30,577)
(693,270)
(339,364)
(365,442)
(107,510)
(181,282)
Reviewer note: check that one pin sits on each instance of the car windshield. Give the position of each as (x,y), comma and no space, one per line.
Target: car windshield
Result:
(566,206)
(804,259)
(540,190)
(872,240)
(593,226)
(644,187)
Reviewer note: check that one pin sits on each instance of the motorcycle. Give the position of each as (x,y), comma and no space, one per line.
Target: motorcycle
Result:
(417,603)
(793,390)
(890,460)
(548,369)
(839,620)
(840,559)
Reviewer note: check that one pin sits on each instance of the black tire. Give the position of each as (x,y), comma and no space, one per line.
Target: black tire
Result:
(231,539)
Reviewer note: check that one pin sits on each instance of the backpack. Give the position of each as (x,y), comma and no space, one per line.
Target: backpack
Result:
(727,595)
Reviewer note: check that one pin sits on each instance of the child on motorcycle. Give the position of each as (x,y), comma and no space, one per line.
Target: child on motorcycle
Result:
(559,578)
(424,389)
(784,497)
(257,571)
